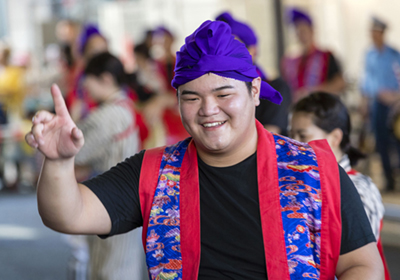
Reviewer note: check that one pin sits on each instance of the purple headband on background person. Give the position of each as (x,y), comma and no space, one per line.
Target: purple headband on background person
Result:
(213,49)
(296,15)
(88,30)
(162,30)
(241,30)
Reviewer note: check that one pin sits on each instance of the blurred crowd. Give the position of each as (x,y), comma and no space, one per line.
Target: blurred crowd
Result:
(134,103)
(24,89)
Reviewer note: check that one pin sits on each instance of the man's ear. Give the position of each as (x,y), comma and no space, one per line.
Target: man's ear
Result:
(255,90)
(334,138)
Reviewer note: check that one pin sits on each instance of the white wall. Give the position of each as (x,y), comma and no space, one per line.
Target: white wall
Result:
(20,31)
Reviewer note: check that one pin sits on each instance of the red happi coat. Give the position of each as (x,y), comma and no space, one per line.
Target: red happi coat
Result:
(306,71)
(275,247)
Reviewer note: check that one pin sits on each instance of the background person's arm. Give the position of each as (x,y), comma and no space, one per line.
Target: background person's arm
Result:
(64,205)
(363,263)
(336,85)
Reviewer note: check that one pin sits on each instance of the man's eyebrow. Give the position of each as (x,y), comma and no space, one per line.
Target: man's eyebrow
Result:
(222,88)
(213,90)
(189,92)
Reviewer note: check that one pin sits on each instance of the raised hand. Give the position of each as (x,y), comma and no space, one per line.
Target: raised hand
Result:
(55,135)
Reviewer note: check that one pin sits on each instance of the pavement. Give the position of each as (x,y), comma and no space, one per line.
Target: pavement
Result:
(29,250)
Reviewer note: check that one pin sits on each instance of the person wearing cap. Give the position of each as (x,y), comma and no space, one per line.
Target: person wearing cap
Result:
(233,201)
(381,90)
(90,43)
(272,116)
(166,62)
(314,69)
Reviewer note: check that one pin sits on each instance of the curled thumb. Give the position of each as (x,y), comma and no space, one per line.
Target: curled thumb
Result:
(77,136)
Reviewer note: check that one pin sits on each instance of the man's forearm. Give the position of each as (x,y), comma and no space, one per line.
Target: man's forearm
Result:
(58,194)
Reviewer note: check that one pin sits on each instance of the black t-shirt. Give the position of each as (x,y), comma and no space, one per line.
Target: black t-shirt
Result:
(231,236)
(268,113)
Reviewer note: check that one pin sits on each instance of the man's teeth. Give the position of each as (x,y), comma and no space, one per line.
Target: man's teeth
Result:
(212,124)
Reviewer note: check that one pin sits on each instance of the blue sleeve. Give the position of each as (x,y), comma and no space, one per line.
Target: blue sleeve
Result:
(367,87)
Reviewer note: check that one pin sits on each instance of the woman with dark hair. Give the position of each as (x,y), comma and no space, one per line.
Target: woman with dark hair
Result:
(111,135)
(323,116)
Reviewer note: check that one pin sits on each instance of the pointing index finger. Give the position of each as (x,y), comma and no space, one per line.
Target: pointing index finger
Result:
(59,103)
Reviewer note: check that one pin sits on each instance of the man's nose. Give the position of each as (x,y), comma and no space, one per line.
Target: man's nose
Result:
(209,107)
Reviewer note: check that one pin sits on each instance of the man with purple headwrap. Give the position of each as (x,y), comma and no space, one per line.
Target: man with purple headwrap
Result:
(314,69)
(272,116)
(233,201)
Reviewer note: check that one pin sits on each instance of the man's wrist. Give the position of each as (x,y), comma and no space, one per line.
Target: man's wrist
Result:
(60,161)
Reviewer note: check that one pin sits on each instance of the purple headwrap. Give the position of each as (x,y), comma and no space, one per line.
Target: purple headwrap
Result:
(162,30)
(243,31)
(88,30)
(295,16)
(213,49)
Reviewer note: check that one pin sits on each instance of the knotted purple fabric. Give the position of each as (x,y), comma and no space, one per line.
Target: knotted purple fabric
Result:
(241,30)
(213,49)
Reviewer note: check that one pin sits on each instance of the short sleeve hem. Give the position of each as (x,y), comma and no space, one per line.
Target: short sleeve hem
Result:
(351,246)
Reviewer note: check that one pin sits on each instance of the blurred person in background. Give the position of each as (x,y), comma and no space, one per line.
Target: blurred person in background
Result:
(166,60)
(12,95)
(161,110)
(90,43)
(59,64)
(146,80)
(323,116)
(12,87)
(148,39)
(111,135)
(314,69)
(273,117)
(146,83)
(67,32)
(381,90)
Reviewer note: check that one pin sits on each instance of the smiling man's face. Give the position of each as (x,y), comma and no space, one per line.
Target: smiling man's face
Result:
(219,112)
